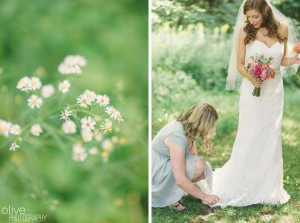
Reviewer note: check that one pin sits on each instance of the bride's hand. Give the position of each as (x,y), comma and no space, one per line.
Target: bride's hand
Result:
(210,199)
(256,81)
(296,60)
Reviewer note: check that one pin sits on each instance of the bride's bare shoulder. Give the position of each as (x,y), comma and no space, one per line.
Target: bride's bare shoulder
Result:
(283,30)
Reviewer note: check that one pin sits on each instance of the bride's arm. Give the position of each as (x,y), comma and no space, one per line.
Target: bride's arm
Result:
(286,61)
(241,60)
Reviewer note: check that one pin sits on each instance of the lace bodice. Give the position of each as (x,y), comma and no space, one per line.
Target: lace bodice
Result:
(260,48)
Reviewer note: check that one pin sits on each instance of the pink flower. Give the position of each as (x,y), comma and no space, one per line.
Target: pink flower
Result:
(252,65)
(265,75)
(260,67)
(257,71)
(297,48)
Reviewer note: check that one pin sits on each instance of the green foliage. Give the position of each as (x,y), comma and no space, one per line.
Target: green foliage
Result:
(203,55)
(181,13)
(170,89)
(198,52)
(41,175)
(166,105)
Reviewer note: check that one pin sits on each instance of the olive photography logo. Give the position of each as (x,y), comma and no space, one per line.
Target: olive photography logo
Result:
(21,214)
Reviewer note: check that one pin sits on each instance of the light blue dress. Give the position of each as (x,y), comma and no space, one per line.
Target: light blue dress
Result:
(165,191)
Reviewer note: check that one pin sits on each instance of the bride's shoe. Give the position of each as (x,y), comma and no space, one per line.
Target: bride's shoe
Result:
(178,206)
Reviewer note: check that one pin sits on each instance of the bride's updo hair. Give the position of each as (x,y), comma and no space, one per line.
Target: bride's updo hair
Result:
(269,21)
(200,121)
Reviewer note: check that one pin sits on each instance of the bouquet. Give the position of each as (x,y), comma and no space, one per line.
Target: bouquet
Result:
(260,67)
(296,49)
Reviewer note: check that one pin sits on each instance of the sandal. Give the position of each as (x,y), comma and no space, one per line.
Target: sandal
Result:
(178,206)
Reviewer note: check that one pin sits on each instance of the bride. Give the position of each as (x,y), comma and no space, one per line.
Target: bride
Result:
(254,172)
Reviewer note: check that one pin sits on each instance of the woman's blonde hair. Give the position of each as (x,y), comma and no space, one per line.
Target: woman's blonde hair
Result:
(200,121)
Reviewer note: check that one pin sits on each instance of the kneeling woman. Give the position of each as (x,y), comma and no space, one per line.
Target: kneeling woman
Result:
(176,167)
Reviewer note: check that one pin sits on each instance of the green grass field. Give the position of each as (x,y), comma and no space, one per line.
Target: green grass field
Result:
(190,65)
(187,92)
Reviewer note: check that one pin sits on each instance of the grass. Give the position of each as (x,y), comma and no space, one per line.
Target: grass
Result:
(189,66)
(226,104)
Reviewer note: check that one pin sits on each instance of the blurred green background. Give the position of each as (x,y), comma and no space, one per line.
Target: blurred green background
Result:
(41,175)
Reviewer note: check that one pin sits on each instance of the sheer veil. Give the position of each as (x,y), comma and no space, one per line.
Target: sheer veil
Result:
(234,78)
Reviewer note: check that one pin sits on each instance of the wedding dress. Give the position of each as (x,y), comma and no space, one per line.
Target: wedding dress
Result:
(254,172)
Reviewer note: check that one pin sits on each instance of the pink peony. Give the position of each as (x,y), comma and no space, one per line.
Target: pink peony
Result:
(257,71)
(265,75)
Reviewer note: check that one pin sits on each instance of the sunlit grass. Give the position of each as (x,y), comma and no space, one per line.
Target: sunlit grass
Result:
(226,104)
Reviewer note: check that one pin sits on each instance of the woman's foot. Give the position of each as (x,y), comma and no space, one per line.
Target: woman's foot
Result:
(178,206)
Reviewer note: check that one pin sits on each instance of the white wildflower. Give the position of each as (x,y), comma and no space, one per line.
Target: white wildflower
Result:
(35,101)
(4,128)
(47,91)
(90,94)
(24,84)
(69,127)
(79,153)
(72,64)
(64,86)
(15,130)
(83,101)
(88,124)
(65,69)
(65,114)
(14,146)
(110,111)
(106,126)
(35,83)
(75,60)
(102,100)
(117,116)
(36,129)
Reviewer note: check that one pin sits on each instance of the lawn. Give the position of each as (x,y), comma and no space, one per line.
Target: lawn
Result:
(168,105)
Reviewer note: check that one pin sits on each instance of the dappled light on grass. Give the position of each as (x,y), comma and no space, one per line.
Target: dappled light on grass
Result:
(166,106)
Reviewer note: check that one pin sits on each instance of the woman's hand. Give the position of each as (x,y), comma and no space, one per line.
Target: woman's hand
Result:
(256,81)
(210,199)
(295,60)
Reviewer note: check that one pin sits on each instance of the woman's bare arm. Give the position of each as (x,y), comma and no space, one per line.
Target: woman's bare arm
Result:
(177,157)
(286,61)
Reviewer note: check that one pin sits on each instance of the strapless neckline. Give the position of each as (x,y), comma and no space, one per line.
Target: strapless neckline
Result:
(269,47)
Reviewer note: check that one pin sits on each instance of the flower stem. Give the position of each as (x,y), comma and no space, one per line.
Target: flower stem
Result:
(298,71)
(256,92)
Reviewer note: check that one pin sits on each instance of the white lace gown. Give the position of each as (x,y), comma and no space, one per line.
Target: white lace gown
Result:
(254,172)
